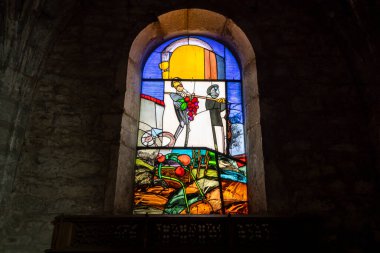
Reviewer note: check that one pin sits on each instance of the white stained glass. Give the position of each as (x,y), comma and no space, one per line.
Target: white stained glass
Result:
(159,115)
(186,41)
(200,134)
(237,145)
(198,42)
(148,113)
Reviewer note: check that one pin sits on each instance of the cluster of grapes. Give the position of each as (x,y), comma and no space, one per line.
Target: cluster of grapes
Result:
(192,107)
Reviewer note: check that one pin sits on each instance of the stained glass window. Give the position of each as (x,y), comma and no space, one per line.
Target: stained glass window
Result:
(190,152)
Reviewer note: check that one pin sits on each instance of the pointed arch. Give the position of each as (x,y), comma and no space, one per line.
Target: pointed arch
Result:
(174,24)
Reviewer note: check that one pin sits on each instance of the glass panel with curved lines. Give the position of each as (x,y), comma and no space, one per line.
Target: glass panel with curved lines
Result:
(192,109)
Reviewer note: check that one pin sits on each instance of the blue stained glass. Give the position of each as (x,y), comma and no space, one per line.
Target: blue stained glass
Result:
(235,113)
(234,92)
(236,118)
(232,67)
(151,68)
(216,46)
(173,164)
(233,175)
(237,146)
(166,43)
(221,69)
(235,102)
(153,88)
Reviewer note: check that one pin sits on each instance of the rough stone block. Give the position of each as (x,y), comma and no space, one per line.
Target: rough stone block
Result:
(71,121)
(255,172)
(125,178)
(174,22)
(132,93)
(142,43)
(129,130)
(239,41)
(17,240)
(31,61)
(83,168)
(8,109)
(205,22)
(44,236)
(5,132)
(252,111)
(250,84)
(63,205)
(110,185)
(28,203)
(31,226)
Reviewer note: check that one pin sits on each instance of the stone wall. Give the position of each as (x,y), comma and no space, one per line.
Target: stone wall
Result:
(63,84)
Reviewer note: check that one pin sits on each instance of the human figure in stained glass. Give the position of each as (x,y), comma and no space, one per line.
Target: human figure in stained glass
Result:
(180,111)
(216,105)
(178,172)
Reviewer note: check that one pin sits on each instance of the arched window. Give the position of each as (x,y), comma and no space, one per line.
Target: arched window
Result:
(175,157)
(190,148)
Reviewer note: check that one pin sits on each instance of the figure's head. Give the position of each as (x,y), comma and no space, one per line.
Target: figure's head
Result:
(177,84)
(213,91)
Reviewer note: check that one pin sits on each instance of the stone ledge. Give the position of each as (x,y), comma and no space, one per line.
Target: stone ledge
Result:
(186,233)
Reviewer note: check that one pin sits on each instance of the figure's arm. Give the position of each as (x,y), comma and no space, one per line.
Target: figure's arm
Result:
(185,93)
(175,97)
(221,100)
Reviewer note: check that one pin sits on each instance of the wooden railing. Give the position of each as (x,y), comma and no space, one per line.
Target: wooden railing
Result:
(158,233)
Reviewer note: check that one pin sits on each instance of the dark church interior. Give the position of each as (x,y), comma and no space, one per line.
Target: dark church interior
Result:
(63,93)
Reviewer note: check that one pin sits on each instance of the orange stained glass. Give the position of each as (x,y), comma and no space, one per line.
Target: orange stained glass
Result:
(210,65)
(191,157)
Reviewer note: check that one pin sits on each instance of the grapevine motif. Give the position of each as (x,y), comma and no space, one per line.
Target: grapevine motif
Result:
(190,105)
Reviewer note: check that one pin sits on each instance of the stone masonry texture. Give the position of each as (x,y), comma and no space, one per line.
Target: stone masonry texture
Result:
(61,100)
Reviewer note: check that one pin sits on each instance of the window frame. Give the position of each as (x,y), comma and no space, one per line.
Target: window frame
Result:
(172,24)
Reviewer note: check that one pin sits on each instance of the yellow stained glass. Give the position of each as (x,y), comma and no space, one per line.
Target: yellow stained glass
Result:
(187,62)
(190,156)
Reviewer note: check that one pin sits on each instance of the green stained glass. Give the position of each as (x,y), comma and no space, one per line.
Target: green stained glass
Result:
(191,153)
(188,181)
